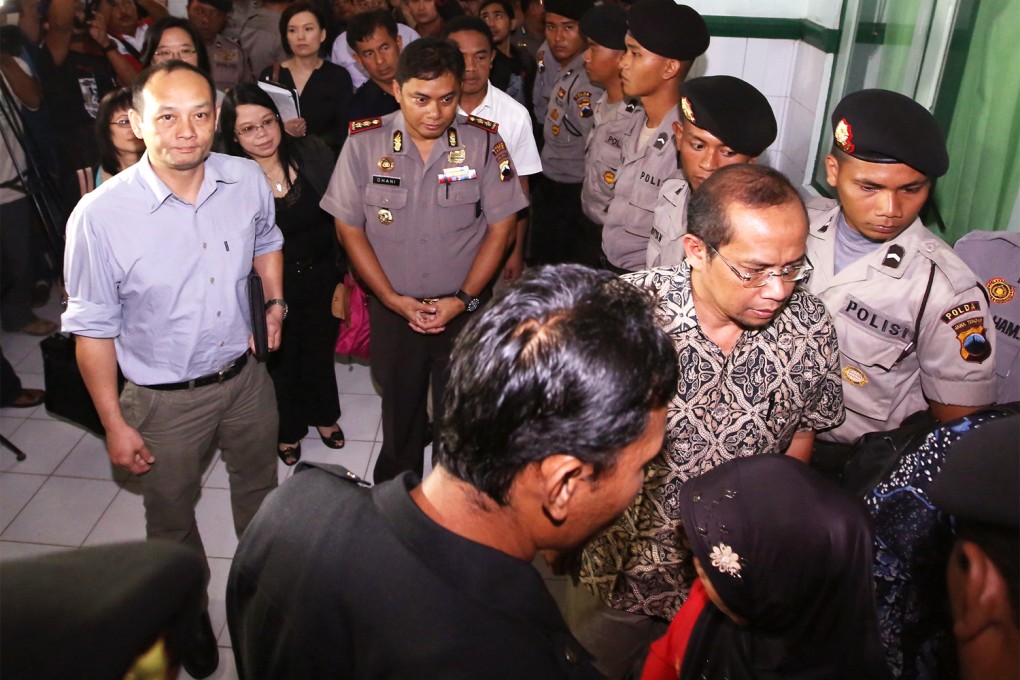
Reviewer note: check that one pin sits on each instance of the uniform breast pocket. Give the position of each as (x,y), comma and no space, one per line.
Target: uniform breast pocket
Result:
(872,377)
(383,211)
(460,203)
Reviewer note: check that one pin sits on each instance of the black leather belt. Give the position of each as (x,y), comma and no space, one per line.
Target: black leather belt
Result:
(224,374)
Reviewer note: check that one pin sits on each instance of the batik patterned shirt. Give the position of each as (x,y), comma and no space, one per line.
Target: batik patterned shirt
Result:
(776,381)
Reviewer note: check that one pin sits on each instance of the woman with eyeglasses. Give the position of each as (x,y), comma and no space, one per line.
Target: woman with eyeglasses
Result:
(175,38)
(119,149)
(324,89)
(297,171)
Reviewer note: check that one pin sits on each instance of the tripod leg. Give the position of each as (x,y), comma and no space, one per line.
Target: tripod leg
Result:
(18,453)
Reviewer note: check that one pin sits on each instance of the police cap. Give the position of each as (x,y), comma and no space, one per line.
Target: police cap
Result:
(571,9)
(606,25)
(668,29)
(225,6)
(880,126)
(732,110)
(981,477)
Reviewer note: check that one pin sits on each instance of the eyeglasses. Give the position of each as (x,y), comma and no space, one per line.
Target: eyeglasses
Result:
(788,274)
(250,130)
(121,123)
(175,54)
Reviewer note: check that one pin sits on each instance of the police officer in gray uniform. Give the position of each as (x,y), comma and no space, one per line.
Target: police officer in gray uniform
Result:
(426,205)
(605,27)
(913,323)
(663,40)
(557,224)
(547,71)
(995,258)
(228,63)
(724,121)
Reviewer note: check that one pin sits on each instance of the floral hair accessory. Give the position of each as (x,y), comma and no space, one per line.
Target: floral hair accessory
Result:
(725,560)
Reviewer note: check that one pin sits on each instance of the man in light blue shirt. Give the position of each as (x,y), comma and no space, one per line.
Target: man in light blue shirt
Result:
(156,268)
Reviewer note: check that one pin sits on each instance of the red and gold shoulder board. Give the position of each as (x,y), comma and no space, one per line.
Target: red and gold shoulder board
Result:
(487,125)
(357,126)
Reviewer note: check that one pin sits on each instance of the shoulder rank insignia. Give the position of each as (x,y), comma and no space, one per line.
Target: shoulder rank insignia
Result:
(632,105)
(357,126)
(894,256)
(661,140)
(486,125)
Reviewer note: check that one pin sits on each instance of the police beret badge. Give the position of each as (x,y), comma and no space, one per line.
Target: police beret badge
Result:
(844,136)
(685,106)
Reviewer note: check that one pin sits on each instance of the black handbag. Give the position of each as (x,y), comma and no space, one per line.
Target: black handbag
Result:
(66,394)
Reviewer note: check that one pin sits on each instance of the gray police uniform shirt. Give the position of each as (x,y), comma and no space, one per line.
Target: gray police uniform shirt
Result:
(568,122)
(995,258)
(547,72)
(603,155)
(628,223)
(887,373)
(665,244)
(228,63)
(424,230)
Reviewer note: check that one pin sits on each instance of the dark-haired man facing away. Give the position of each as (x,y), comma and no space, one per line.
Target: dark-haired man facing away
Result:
(759,374)
(432,579)
(426,205)
(156,265)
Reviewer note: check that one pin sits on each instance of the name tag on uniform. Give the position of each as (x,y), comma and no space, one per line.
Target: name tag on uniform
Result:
(450,175)
(874,321)
(388,181)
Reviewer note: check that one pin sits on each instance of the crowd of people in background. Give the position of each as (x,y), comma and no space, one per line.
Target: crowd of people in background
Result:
(442,152)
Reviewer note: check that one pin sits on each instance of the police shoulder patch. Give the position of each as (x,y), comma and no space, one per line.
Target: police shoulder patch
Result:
(357,126)
(483,123)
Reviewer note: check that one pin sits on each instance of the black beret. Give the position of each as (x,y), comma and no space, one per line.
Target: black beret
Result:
(226,6)
(606,25)
(668,29)
(732,110)
(880,126)
(571,9)
(980,479)
(89,613)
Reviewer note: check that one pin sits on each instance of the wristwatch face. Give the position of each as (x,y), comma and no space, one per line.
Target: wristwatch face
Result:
(472,305)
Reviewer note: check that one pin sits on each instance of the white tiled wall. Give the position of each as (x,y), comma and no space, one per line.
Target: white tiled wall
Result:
(794,76)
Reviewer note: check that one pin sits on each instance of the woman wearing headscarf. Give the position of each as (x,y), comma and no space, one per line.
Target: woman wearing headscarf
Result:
(785,586)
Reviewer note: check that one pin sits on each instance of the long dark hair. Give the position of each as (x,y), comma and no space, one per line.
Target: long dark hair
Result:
(250,93)
(156,32)
(117,100)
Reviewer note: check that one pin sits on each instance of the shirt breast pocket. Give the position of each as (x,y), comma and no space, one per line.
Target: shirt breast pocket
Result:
(873,376)
(460,203)
(383,209)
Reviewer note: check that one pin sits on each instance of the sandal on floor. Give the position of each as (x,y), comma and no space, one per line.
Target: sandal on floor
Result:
(335,440)
(27,398)
(290,455)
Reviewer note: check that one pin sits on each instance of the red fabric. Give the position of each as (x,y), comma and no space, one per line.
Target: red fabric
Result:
(667,653)
(354,331)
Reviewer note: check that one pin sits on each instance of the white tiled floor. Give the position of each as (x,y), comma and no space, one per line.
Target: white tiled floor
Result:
(67,495)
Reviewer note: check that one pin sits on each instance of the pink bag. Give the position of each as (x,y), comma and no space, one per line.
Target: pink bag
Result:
(354,330)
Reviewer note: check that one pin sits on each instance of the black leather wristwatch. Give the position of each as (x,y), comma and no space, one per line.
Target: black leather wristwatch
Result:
(470,302)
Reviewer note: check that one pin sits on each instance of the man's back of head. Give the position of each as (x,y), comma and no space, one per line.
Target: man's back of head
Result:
(568,360)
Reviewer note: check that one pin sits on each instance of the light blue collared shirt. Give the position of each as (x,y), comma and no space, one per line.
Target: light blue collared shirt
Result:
(167,279)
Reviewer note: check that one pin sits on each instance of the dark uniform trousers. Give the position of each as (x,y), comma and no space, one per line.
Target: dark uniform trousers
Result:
(560,231)
(403,360)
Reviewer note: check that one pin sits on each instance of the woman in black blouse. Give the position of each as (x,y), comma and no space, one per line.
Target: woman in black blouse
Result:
(297,171)
(324,89)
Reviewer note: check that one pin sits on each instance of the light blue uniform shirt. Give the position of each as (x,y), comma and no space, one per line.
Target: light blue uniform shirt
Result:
(167,279)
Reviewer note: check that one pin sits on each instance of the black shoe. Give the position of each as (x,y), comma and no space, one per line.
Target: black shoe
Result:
(201,656)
